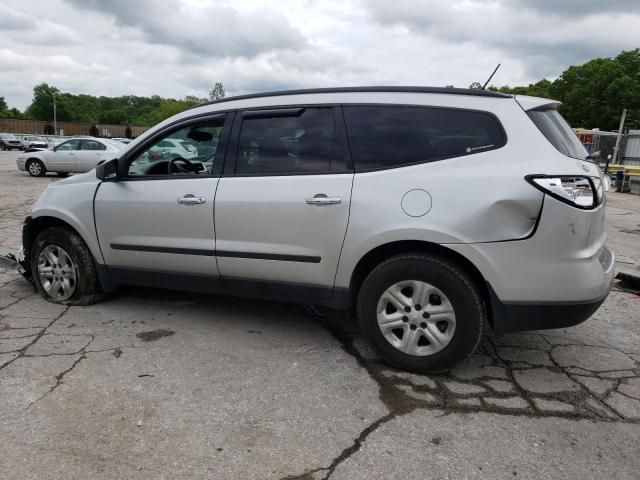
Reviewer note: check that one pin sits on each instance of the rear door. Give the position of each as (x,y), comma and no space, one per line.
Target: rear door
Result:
(282,205)
(90,154)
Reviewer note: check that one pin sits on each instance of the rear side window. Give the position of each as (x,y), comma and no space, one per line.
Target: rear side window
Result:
(92,145)
(558,132)
(389,136)
(303,142)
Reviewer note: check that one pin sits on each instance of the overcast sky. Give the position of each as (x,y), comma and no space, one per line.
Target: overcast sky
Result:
(175,48)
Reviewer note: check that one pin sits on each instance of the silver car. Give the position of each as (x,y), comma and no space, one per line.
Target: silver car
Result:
(34,142)
(75,155)
(428,212)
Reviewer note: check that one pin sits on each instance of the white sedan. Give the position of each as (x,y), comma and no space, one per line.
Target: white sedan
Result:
(75,155)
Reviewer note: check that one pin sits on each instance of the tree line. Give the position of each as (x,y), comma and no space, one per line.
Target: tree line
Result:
(124,110)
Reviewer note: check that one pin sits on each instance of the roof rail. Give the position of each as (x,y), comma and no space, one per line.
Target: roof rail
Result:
(391,89)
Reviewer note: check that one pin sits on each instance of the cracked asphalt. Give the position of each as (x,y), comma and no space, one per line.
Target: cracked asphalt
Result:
(157,384)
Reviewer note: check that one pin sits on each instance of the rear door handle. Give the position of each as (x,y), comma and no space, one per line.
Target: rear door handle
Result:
(322,199)
(191,199)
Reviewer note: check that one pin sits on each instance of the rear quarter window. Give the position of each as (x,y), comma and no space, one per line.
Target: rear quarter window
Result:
(393,136)
(558,132)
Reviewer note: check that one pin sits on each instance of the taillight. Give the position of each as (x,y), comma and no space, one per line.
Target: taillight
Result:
(575,190)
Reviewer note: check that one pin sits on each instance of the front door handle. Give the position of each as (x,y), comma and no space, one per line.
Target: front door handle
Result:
(322,199)
(191,199)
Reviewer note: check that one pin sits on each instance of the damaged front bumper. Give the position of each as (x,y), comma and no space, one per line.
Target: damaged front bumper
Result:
(20,261)
(17,262)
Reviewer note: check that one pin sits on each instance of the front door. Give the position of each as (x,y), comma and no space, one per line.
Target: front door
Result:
(63,158)
(282,209)
(158,221)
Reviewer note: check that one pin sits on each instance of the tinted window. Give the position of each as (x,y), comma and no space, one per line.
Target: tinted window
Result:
(558,132)
(70,145)
(387,137)
(92,145)
(304,143)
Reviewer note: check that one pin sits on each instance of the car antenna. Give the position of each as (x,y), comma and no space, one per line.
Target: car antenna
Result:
(490,77)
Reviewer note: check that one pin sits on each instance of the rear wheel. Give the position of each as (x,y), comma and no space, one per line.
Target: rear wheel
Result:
(421,312)
(63,268)
(36,168)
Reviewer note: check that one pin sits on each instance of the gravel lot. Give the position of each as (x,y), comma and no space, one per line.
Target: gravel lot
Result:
(156,384)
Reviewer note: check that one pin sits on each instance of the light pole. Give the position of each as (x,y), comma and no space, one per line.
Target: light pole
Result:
(55,123)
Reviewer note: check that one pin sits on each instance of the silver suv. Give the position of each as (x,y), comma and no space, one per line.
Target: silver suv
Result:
(429,212)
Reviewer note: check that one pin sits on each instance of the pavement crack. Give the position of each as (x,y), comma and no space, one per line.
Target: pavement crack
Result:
(59,377)
(21,352)
(403,392)
(346,453)
(357,444)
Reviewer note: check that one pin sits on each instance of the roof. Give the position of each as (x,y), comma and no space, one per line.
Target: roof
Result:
(443,90)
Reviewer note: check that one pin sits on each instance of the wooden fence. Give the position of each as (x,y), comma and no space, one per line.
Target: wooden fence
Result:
(36,127)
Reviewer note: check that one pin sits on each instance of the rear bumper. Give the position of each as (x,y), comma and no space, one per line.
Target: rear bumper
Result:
(517,316)
(520,317)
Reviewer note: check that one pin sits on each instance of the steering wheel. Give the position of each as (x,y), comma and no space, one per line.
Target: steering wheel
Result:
(173,167)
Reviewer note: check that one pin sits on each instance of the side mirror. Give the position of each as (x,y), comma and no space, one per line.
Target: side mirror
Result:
(607,183)
(108,171)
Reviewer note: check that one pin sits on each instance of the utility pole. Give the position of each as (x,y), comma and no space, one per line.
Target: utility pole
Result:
(619,137)
(55,123)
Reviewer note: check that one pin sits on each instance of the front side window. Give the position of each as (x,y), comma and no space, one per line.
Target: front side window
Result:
(70,145)
(392,136)
(300,142)
(189,150)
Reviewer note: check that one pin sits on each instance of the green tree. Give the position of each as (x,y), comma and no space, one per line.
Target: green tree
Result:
(217,92)
(595,93)
(3,104)
(41,107)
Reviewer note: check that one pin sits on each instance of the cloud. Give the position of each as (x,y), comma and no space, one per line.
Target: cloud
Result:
(175,48)
(579,8)
(215,31)
(546,36)
(10,20)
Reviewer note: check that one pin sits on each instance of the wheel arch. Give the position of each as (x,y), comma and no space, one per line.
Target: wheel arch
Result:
(34,226)
(385,251)
(32,158)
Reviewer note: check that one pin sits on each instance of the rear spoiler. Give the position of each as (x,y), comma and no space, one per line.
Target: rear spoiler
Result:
(536,103)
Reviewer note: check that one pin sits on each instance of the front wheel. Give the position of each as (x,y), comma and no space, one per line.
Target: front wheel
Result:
(63,268)
(421,312)
(36,168)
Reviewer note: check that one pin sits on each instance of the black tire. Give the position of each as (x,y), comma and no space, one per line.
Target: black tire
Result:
(451,280)
(87,288)
(62,174)
(37,172)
